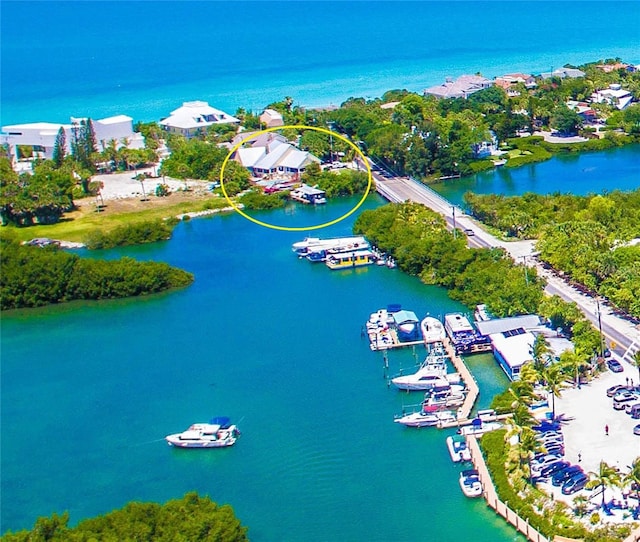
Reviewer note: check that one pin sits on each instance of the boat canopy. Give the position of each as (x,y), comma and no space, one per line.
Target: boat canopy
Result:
(223,421)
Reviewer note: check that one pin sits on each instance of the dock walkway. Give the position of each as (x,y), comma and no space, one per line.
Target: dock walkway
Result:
(470,382)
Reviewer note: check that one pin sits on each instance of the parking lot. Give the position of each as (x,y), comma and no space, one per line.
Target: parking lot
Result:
(595,432)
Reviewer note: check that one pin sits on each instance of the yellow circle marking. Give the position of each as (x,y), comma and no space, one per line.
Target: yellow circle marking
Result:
(298,228)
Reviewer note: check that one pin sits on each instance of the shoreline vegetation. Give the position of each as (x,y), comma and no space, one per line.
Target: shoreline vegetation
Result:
(190,518)
(34,277)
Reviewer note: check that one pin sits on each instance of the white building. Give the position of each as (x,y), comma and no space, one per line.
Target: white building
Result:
(512,349)
(462,87)
(614,95)
(193,119)
(273,155)
(271,118)
(42,135)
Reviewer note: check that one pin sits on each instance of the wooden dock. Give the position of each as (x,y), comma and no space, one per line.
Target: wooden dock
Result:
(470,382)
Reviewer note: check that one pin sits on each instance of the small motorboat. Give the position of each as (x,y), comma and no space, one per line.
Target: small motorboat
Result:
(218,433)
(478,427)
(432,330)
(458,450)
(470,483)
(426,418)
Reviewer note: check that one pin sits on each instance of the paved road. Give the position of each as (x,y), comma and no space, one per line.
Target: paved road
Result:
(619,332)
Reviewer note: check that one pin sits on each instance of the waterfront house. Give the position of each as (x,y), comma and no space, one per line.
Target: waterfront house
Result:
(41,136)
(193,118)
(462,87)
(562,73)
(614,95)
(270,118)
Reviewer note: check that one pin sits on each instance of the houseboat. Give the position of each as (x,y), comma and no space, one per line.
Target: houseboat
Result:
(464,337)
(308,194)
(347,260)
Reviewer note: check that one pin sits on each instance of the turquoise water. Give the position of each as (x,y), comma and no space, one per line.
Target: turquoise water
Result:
(143,59)
(590,172)
(90,389)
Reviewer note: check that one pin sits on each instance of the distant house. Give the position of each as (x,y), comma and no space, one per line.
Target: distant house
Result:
(562,73)
(608,68)
(271,118)
(486,148)
(193,118)
(584,110)
(271,154)
(614,95)
(509,80)
(41,136)
(462,87)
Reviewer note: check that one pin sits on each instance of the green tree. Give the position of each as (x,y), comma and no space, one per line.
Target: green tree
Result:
(60,147)
(605,477)
(565,120)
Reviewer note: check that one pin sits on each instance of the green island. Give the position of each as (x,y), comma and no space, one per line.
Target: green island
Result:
(588,238)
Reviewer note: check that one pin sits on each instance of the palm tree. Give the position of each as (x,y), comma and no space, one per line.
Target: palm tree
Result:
(555,384)
(573,361)
(607,476)
(636,359)
(633,477)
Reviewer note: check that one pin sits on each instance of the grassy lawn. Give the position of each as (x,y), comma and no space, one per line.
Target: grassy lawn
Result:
(76,225)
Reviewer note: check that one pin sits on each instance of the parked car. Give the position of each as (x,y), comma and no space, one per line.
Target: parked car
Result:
(636,430)
(544,462)
(624,396)
(615,366)
(628,407)
(619,405)
(551,469)
(615,389)
(634,412)
(562,476)
(575,484)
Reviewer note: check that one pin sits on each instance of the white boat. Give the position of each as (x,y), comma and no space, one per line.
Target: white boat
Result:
(315,244)
(470,483)
(452,396)
(218,433)
(458,450)
(424,418)
(479,427)
(432,330)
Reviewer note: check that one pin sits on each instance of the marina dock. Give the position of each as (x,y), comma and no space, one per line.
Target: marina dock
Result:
(472,386)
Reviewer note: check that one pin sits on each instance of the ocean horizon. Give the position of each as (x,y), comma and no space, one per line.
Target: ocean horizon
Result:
(144,59)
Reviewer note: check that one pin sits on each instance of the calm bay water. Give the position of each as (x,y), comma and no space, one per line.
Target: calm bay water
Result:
(90,389)
(589,172)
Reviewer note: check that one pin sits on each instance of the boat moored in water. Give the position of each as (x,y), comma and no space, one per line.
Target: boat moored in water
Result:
(426,418)
(347,260)
(458,450)
(470,483)
(218,433)
(315,244)
(479,427)
(432,330)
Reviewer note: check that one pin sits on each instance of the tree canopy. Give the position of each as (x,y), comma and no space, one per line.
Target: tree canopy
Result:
(190,518)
